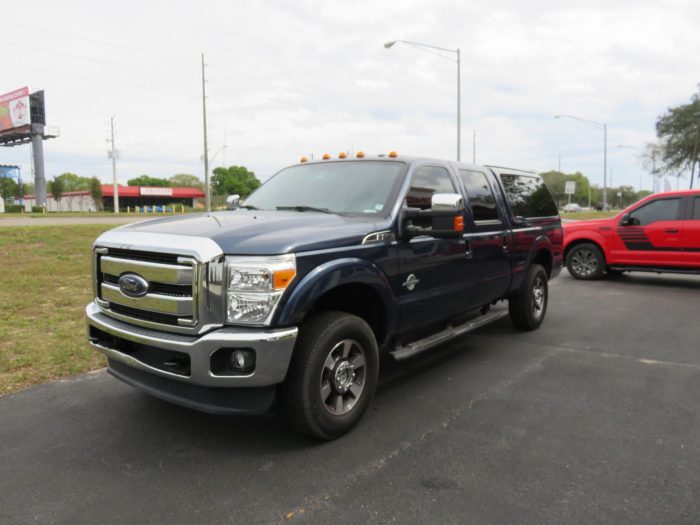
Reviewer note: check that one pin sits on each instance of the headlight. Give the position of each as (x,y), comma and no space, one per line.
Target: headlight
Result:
(255,285)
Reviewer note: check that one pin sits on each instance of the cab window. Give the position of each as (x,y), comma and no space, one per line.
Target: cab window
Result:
(657,210)
(426,181)
(696,209)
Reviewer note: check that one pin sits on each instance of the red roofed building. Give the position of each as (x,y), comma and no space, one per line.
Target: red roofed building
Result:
(129,197)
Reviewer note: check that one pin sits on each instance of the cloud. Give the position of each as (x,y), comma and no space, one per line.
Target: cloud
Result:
(286,79)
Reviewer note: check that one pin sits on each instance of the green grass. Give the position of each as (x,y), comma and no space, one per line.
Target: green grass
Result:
(45,283)
(87,214)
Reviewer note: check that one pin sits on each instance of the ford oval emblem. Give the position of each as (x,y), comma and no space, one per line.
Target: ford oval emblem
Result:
(133,285)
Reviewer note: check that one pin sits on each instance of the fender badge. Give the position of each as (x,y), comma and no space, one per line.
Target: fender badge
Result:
(411,282)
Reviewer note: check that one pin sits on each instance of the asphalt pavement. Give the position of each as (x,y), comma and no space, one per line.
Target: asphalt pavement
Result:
(591,419)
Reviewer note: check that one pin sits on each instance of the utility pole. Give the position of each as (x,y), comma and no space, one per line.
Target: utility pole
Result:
(474,148)
(459,106)
(207,191)
(559,170)
(113,154)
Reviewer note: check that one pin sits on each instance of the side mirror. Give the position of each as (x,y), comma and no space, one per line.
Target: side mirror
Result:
(629,221)
(446,218)
(233,202)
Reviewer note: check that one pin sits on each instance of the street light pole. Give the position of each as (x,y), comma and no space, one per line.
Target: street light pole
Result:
(431,49)
(603,125)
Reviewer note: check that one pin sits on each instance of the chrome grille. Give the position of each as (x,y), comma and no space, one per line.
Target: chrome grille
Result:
(173,287)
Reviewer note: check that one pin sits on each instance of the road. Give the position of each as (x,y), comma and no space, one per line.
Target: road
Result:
(591,419)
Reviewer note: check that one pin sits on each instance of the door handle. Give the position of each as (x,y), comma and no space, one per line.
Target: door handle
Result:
(469,253)
(672,230)
(505,244)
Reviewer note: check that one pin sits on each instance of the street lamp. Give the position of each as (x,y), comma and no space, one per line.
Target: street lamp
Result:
(432,49)
(603,125)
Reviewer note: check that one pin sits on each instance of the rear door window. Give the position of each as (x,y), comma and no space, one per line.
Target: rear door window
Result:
(528,196)
(481,198)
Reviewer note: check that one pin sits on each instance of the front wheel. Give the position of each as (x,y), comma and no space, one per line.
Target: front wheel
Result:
(528,308)
(585,261)
(332,376)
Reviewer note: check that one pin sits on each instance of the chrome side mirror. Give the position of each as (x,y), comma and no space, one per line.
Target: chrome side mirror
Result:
(233,202)
(446,202)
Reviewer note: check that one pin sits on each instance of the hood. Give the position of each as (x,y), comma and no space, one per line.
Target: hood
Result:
(264,232)
(590,224)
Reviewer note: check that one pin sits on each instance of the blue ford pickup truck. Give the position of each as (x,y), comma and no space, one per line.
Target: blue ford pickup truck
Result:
(292,296)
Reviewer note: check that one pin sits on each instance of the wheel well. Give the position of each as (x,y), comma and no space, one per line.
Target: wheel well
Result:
(357,299)
(544,258)
(572,244)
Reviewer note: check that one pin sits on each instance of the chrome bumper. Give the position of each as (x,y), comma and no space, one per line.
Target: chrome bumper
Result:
(273,349)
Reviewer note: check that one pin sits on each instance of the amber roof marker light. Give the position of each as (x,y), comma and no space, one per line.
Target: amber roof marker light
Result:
(326,156)
(393,154)
(342,155)
(304,159)
(360,154)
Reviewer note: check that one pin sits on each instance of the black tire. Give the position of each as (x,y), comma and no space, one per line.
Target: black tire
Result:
(613,271)
(585,261)
(308,398)
(528,308)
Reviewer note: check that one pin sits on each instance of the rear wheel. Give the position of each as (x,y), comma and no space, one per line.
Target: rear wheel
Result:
(528,308)
(332,377)
(585,261)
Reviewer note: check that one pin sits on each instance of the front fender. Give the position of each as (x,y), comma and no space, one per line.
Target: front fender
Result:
(330,275)
(588,236)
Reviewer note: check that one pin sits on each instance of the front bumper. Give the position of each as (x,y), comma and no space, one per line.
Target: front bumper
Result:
(151,353)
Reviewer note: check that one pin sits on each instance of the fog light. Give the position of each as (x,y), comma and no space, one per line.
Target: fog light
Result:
(242,361)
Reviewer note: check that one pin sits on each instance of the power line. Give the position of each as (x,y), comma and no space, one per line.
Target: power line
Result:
(24,47)
(95,41)
(98,79)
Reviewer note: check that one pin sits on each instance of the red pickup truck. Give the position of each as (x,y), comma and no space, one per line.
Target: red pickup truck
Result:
(660,233)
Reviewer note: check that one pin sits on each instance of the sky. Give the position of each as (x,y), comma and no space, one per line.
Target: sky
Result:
(286,79)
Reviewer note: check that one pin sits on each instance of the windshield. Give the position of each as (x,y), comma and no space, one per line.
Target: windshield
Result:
(355,187)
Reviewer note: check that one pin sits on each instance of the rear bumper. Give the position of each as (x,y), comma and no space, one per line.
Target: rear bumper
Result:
(179,367)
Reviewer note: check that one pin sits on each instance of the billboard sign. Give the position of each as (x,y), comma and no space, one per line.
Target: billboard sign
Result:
(9,171)
(15,109)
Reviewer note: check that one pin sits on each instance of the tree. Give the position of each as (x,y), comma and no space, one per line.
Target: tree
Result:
(8,187)
(185,180)
(234,180)
(679,131)
(96,192)
(556,182)
(56,188)
(73,182)
(147,180)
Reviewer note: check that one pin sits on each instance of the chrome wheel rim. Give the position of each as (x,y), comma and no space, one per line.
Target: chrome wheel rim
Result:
(584,262)
(343,377)
(539,296)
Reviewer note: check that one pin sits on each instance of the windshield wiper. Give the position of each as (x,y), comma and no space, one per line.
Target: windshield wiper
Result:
(249,207)
(303,208)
